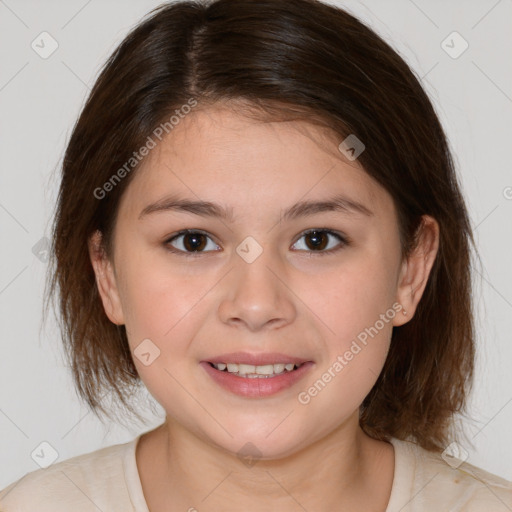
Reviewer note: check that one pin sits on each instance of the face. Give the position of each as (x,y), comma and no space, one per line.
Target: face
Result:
(266,283)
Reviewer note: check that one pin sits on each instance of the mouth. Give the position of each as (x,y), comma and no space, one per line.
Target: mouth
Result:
(256,376)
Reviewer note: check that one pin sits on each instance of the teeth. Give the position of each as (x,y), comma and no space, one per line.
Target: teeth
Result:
(245,368)
(252,371)
(267,369)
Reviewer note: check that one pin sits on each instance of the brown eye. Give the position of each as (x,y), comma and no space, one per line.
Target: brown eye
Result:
(316,240)
(194,241)
(191,242)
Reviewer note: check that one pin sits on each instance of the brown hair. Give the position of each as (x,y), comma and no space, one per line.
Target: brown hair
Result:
(288,59)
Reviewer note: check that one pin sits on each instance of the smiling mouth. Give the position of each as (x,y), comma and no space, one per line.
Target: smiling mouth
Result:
(250,371)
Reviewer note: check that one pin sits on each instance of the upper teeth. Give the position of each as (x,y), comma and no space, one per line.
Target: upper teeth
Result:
(248,369)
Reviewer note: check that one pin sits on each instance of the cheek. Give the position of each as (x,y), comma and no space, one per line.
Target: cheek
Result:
(355,303)
(354,296)
(160,309)
(355,358)
(158,303)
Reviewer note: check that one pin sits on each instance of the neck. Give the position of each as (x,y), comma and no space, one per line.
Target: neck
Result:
(344,470)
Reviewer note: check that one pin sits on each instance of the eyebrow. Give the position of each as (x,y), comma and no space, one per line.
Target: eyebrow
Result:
(337,203)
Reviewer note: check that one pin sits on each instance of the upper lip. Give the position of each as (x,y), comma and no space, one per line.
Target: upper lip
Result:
(256,359)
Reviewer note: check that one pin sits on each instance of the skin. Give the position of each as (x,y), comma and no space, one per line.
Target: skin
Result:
(291,299)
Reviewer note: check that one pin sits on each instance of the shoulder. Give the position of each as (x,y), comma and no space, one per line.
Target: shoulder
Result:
(82,483)
(442,483)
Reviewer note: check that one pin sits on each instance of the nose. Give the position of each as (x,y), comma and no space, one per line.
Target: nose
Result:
(256,295)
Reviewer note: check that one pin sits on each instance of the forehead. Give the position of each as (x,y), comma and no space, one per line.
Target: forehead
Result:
(217,154)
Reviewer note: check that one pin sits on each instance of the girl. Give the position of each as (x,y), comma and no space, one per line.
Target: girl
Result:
(259,220)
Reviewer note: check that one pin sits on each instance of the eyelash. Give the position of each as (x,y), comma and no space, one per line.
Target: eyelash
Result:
(343,239)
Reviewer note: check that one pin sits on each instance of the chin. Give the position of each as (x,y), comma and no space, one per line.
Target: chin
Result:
(263,440)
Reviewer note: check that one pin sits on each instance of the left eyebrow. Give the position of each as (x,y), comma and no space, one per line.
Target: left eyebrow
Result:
(337,203)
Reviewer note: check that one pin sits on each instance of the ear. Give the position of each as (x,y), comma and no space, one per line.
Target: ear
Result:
(416,269)
(105,279)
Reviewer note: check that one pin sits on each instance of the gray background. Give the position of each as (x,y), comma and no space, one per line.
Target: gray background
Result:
(39,101)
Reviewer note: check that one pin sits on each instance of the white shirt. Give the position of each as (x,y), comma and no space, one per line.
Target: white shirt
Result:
(107,480)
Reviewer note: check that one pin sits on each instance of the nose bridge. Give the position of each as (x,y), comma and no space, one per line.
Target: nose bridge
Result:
(256,294)
(253,270)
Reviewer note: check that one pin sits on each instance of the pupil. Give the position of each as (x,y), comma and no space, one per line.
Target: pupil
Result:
(195,244)
(317,237)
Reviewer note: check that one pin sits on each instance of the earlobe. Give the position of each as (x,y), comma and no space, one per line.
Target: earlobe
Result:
(105,279)
(416,269)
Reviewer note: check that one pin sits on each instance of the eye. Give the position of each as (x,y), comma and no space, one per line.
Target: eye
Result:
(318,239)
(193,241)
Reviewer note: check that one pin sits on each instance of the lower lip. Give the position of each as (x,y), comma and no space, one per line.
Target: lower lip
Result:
(257,387)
